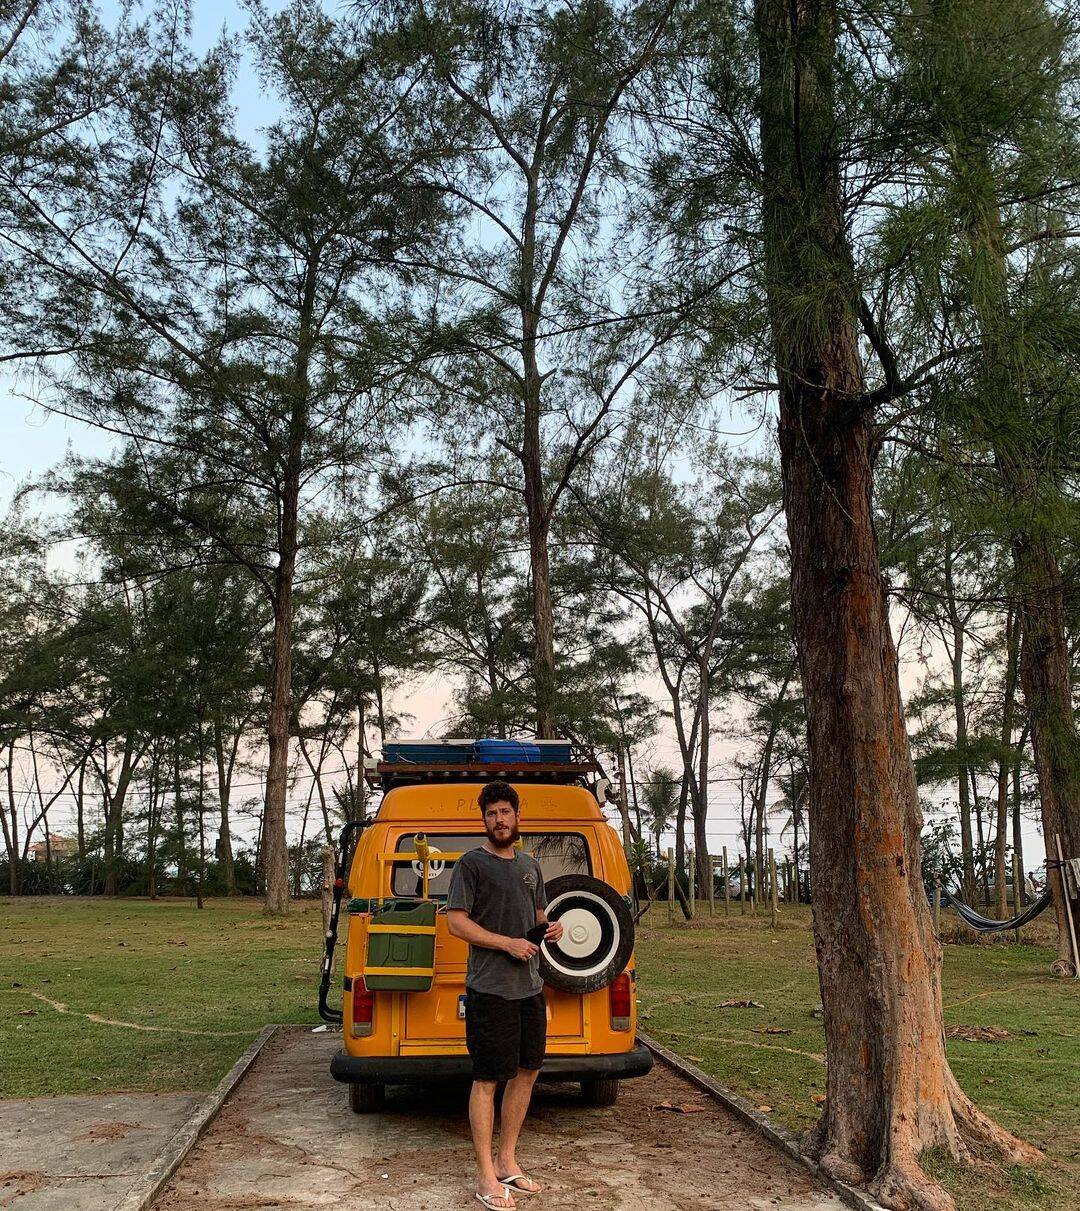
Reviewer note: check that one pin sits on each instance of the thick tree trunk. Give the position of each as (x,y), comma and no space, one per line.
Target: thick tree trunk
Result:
(1029,490)
(1046,677)
(890,1092)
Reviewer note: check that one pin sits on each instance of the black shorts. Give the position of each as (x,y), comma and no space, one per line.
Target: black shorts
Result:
(503,1035)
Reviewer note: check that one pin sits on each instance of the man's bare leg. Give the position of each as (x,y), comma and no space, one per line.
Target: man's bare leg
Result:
(482,1122)
(515,1105)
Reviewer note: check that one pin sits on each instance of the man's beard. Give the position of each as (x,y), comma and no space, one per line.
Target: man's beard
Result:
(500,840)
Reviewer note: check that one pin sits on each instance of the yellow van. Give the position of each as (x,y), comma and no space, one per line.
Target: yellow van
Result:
(402,864)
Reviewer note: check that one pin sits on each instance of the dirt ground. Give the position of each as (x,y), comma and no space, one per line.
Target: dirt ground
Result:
(287,1139)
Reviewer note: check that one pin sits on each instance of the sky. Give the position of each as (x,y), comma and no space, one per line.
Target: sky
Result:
(32,441)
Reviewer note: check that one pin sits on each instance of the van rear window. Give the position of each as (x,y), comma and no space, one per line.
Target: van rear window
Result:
(557,853)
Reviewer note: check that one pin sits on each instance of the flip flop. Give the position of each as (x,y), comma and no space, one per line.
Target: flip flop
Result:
(488,1200)
(512,1180)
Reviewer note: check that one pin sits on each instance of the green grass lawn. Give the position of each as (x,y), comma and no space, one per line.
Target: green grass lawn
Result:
(221,974)
(1030,1081)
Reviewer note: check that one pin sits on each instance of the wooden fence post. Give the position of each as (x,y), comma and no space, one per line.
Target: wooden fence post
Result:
(727,887)
(712,885)
(742,885)
(671,886)
(772,887)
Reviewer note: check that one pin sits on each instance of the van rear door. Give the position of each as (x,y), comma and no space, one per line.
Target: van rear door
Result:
(433,1020)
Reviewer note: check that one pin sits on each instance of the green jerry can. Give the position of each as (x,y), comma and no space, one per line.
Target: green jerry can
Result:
(401,947)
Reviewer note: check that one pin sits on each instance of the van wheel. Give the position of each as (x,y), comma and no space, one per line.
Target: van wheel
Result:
(600,1093)
(366,1099)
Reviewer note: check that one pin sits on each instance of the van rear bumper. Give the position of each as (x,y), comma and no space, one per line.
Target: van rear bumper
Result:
(405,1069)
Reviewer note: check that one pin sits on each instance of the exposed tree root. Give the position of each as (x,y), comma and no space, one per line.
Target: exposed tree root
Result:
(903,1186)
(842,1169)
(1063,969)
(977,1128)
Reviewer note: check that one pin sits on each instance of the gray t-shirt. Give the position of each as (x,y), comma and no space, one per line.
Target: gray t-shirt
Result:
(501,894)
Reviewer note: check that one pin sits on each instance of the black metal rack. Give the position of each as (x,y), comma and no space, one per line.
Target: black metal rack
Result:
(388,774)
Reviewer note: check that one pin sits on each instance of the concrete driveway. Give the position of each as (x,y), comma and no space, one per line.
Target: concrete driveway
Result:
(286,1139)
(83,1153)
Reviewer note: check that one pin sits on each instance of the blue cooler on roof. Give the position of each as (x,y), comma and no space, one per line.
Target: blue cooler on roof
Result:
(483,752)
(498,751)
(424,752)
(522,752)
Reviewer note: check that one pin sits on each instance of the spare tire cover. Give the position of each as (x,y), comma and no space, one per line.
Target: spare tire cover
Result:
(598,934)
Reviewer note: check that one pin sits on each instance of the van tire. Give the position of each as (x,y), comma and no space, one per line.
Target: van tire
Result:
(367,1098)
(615,935)
(600,1093)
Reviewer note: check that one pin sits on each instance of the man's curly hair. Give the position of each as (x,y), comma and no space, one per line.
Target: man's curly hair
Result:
(498,792)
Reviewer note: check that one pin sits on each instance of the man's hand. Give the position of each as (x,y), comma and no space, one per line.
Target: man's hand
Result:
(554,931)
(520,948)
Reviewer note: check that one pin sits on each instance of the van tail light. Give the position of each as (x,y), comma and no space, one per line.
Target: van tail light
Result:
(363,1008)
(619,1002)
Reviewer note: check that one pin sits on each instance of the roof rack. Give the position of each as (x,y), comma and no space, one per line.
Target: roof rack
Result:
(461,764)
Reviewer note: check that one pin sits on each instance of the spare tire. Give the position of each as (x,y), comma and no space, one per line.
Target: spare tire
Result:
(598,934)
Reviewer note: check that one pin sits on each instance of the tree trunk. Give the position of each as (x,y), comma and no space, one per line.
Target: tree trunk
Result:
(11,831)
(890,1092)
(700,806)
(200,879)
(223,849)
(1045,672)
(114,822)
(1004,764)
(967,848)
(298,871)
(178,805)
(680,823)
(1017,817)
(540,575)
(80,819)
(1046,677)
(536,510)
(361,751)
(275,843)
(151,828)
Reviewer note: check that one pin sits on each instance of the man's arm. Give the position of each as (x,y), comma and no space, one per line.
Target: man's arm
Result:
(461,925)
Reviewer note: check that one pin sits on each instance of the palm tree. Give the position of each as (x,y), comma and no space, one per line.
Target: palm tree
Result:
(794,804)
(660,801)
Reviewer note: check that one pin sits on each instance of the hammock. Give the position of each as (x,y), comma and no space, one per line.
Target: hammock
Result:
(989,925)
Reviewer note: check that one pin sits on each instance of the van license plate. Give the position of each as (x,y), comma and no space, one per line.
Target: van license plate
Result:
(461,1006)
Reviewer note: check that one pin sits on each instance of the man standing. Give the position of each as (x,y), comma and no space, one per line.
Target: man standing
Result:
(496,896)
